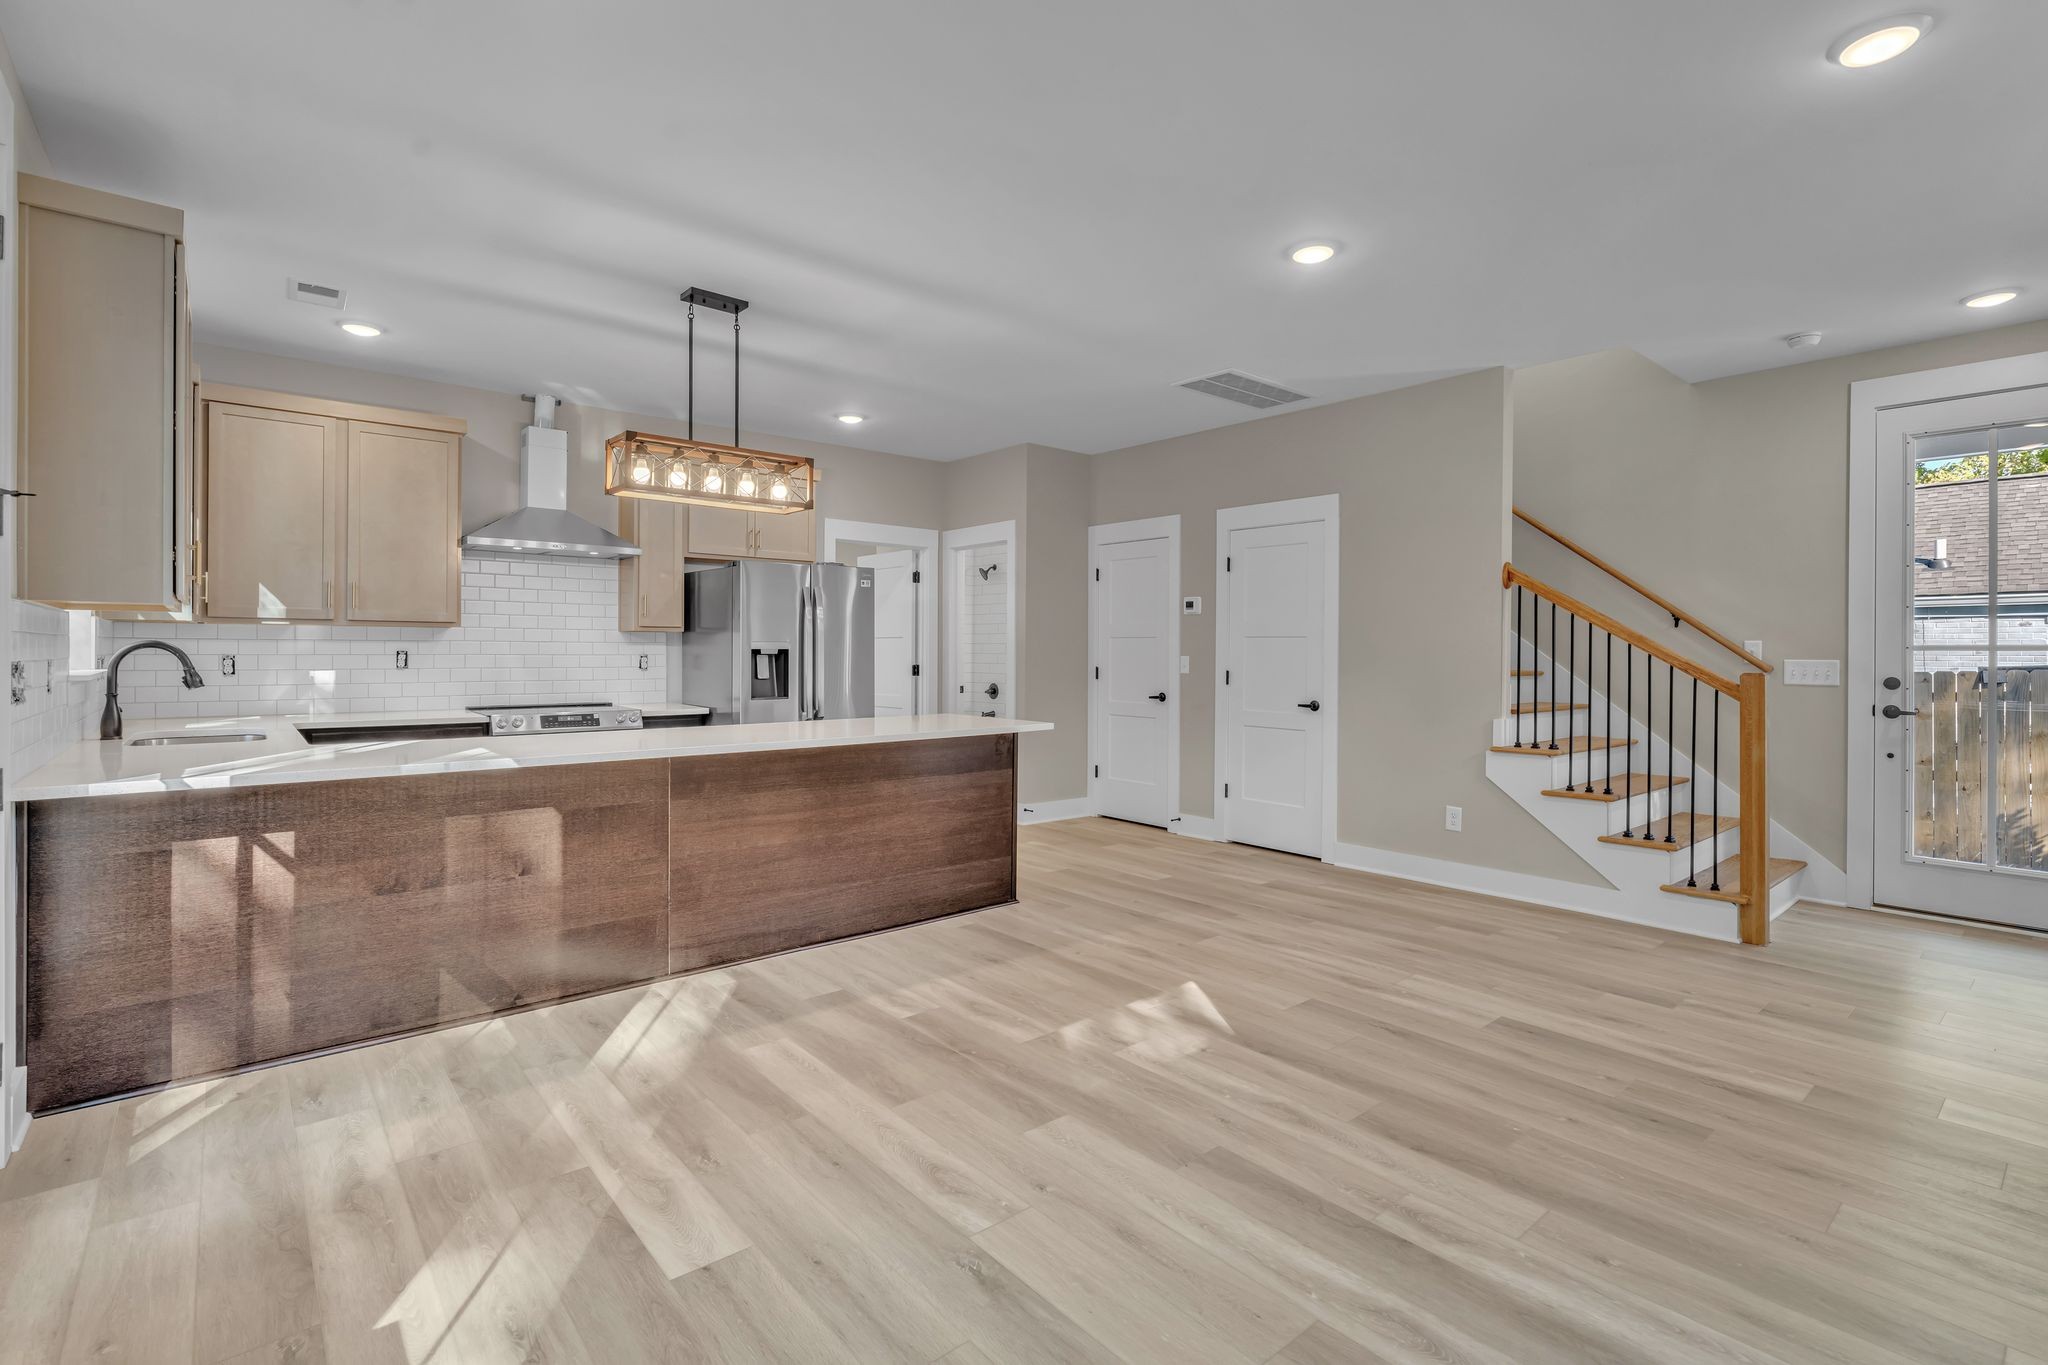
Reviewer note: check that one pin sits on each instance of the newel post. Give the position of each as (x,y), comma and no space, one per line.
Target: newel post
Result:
(1755,881)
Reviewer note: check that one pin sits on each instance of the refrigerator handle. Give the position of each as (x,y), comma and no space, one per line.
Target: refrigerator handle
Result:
(808,708)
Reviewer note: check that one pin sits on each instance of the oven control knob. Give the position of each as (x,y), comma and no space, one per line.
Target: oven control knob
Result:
(517,722)
(630,718)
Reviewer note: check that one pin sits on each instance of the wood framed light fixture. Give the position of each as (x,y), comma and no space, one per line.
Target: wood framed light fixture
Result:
(638,464)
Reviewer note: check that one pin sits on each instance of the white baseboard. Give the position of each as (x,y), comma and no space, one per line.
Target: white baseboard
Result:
(1685,915)
(1196,827)
(1040,812)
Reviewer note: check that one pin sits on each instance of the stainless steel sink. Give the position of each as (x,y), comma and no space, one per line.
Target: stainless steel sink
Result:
(224,737)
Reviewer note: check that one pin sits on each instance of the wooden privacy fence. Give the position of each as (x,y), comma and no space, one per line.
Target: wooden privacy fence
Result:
(1950,766)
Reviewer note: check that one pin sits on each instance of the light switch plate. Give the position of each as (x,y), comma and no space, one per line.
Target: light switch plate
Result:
(1813,672)
(1183,663)
(1190,606)
(1755,647)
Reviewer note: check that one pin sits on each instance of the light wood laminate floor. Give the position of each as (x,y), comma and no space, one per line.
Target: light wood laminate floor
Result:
(1185,1103)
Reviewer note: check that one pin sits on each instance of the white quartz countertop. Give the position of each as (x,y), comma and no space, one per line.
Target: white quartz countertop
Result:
(118,768)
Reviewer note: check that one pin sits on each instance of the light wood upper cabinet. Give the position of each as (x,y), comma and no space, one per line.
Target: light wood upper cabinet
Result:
(273,492)
(105,426)
(651,583)
(733,533)
(721,533)
(786,535)
(318,510)
(404,525)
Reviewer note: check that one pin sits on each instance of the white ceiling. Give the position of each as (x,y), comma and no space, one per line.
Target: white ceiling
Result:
(988,224)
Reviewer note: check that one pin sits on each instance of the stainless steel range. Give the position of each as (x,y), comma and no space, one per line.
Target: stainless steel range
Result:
(545,718)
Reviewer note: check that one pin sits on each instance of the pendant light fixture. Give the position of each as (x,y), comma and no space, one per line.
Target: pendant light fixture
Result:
(708,473)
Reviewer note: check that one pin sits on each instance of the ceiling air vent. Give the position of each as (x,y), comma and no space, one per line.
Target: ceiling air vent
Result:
(322,295)
(1242,388)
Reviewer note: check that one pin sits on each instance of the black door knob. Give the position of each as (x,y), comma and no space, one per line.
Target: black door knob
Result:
(1310,705)
(1893,713)
(1159,696)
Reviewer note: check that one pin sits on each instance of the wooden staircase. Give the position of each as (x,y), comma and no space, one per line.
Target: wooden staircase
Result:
(1618,742)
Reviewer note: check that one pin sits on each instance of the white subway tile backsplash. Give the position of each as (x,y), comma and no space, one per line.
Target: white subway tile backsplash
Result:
(532,630)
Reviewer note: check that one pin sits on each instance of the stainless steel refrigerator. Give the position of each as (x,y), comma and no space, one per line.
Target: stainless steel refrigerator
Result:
(764,642)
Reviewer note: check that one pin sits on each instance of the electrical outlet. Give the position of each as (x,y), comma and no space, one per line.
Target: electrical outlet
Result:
(402,658)
(643,663)
(1454,818)
(1190,606)
(227,665)
(1813,672)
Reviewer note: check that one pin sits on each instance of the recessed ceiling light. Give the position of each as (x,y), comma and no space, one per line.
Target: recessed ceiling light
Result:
(1991,298)
(1312,253)
(852,419)
(1880,40)
(2037,424)
(361,329)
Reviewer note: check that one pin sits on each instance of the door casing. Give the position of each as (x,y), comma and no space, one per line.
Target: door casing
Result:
(1099,537)
(1869,400)
(1323,508)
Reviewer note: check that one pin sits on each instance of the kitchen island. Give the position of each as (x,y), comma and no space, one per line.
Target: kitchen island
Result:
(194,907)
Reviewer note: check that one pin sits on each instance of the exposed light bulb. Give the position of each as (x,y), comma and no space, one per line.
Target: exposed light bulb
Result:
(714,480)
(746,487)
(780,490)
(678,477)
(641,471)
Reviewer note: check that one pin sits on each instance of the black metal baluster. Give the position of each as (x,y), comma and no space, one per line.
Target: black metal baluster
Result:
(1571,695)
(1715,875)
(1628,716)
(1553,689)
(1607,787)
(1517,667)
(1670,753)
(1692,796)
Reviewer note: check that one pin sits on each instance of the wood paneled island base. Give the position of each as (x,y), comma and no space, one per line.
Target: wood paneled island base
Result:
(175,935)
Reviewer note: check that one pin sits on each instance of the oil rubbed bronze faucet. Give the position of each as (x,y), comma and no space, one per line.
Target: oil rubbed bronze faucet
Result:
(110,716)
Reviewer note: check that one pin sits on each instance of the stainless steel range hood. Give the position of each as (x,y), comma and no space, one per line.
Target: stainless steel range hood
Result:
(544,526)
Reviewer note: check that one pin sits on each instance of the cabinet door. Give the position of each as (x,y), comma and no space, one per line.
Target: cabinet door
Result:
(98,390)
(786,535)
(404,525)
(272,486)
(651,583)
(721,533)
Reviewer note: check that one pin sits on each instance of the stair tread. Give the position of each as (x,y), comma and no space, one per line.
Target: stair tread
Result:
(1686,830)
(1577,744)
(1526,708)
(1728,872)
(1624,784)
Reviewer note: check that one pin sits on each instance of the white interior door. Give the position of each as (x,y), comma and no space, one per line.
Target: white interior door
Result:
(1959,719)
(1134,724)
(896,616)
(13,1079)
(1275,712)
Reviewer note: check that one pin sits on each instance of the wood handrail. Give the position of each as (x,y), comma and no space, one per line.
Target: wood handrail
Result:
(1677,613)
(1753,915)
(1510,576)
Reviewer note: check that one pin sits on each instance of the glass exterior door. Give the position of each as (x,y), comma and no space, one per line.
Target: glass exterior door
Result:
(1962,729)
